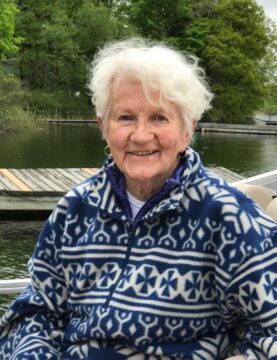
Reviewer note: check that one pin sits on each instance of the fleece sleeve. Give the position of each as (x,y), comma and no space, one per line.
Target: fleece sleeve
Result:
(33,326)
(252,296)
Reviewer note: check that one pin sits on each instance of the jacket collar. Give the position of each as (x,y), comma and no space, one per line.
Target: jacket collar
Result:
(108,192)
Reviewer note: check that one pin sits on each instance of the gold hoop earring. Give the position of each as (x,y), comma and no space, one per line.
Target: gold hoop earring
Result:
(107,151)
(181,155)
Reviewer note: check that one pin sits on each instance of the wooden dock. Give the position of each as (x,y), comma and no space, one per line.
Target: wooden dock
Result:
(237,128)
(33,193)
(42,181)
(71,121)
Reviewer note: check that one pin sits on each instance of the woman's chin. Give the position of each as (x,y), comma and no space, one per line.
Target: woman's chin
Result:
(144,175)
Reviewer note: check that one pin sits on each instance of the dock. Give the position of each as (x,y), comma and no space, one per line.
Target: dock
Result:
(71,121)
(42,181)
(33,193)
(269,127)
(237,128)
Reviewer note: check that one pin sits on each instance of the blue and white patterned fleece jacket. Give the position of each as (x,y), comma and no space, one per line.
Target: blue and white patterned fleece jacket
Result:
(192,277)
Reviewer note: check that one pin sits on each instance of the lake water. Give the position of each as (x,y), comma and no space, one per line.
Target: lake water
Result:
(82,146)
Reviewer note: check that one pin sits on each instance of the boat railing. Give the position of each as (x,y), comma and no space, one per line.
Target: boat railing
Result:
(13,286)
(267,179)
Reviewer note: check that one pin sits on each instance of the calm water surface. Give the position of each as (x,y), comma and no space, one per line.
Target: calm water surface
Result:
(52,146)
(82,146)
(17,241)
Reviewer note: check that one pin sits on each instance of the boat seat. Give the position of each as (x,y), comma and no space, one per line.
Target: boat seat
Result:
(271,209)
(258,193)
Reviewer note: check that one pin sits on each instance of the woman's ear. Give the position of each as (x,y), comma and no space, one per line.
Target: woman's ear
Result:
(193,125)
(189,136)
(101,126)
(100,122)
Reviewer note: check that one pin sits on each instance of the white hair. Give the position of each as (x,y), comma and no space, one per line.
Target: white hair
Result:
(177,77)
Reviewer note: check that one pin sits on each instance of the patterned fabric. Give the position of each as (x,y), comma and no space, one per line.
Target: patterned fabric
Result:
(193,277)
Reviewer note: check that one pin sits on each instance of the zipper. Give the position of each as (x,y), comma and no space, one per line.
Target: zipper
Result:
(131,229)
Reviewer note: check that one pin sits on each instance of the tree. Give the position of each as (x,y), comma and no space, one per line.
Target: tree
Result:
(237,42)
(12,115)
(158,19)
(8,41)
(60,39)
(48,52)
(96,25)
(270,104)
(232,39)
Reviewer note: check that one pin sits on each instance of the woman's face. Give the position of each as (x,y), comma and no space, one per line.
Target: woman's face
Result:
(144,139)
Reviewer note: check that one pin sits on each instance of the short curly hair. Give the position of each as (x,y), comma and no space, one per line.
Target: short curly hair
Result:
(176,76)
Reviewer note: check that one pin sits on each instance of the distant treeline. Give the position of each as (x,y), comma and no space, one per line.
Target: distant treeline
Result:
(46,47)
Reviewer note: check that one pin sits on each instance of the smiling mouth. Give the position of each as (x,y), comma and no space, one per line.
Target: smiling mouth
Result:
(143,153)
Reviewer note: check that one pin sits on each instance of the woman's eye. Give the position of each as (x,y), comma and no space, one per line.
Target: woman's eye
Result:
(126,117)
(160,117)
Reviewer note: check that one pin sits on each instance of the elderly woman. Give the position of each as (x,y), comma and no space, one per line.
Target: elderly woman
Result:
(154,257)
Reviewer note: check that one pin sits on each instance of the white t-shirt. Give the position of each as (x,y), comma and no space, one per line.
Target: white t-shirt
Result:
(135,204)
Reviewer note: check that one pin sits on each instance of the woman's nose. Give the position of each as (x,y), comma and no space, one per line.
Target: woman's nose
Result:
(142,132)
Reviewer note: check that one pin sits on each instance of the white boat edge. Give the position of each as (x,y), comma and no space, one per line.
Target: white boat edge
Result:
(13,286)
(262,179)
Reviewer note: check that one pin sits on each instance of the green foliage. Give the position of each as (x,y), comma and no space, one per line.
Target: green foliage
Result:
(158,19)
(231,37)
(60,39)
(8,41)
(96,25)
(12,101)
(12,98)
(58,99)
(236,44)
(49,55)
(195,36)
(270,104)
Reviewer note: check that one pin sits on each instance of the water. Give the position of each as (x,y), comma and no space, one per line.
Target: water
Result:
(53,146)
(248,155)
(17,241)
(82,146)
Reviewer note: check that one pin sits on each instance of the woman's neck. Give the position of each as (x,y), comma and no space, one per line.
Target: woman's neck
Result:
(145,190)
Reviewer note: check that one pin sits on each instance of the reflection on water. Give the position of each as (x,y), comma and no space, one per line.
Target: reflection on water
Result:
(17,240)
(82,146)
(53,146)
(247,155)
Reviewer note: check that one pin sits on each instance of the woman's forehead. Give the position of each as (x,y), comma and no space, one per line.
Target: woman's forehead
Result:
(125,90)
(128,94)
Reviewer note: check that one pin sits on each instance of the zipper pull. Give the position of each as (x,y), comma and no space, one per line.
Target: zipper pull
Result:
(130,226)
